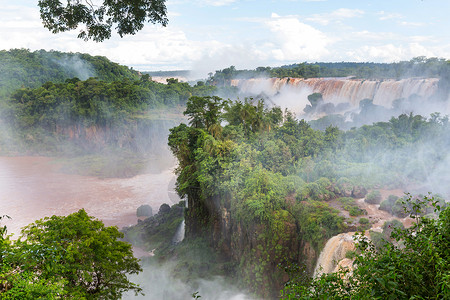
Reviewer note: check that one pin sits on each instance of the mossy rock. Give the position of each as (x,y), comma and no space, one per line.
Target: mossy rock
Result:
(144,211)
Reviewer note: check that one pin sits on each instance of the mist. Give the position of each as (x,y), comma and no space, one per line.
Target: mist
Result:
(76,66)
(159,283)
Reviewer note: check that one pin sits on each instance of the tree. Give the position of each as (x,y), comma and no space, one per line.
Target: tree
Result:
(203,111)
(127,16)
(76,253)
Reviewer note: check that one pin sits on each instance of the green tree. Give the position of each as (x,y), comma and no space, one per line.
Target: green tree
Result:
(203,112)
(76,253)
(128,17)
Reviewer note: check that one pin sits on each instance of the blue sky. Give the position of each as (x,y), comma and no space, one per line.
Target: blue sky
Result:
(207,35)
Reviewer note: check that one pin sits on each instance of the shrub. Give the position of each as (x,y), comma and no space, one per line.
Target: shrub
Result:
(356,211)
(390,226)
(363,221)
(378,239)
(387,204)
(373,197)
(398,209)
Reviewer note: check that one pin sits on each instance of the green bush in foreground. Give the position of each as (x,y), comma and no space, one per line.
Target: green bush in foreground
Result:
(418,269)
(73,257)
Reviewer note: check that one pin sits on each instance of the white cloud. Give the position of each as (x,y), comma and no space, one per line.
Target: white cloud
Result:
(336,16)
(389,16)
(296,41)
(373,36)
(242,57)
(391,52)
(216,2)
(411,24)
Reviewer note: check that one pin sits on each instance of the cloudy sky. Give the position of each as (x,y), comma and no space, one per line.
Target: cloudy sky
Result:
(207,35)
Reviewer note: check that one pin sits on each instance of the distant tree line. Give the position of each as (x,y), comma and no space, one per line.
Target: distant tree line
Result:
(416,67)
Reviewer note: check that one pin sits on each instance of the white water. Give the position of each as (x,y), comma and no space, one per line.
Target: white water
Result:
(339,90)
(334,251)
(179,234)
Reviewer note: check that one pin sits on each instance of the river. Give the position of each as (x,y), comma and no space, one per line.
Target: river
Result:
(33,187)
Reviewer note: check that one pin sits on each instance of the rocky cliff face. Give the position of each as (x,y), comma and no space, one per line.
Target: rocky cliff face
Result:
(140,136)
(259,251)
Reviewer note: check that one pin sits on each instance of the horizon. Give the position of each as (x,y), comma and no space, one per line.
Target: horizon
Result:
(208,35)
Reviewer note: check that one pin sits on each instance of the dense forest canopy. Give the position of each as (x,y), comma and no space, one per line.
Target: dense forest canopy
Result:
(276,176)
(25,68)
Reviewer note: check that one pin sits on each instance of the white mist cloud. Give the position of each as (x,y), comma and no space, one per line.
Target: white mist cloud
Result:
(336,16)
(296,41)
(242,56)
(159,283)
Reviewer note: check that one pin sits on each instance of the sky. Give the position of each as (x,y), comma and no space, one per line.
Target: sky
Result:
(208,35)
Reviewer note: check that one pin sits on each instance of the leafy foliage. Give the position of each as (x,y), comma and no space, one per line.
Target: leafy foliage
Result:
(75,256)
(128,17)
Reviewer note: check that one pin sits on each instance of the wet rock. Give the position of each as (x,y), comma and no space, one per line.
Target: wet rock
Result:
(144,211)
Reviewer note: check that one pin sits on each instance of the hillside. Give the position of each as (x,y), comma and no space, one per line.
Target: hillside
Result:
(25,68)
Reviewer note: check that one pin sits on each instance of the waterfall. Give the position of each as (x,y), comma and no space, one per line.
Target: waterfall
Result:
(334,251)
(339,90)
(179,234)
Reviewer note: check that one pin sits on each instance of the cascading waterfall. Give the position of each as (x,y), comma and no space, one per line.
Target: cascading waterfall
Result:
(179,234)
(181,230)
(334,251)
(338,90)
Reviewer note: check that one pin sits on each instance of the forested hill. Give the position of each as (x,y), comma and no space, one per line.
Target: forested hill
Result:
(24,68)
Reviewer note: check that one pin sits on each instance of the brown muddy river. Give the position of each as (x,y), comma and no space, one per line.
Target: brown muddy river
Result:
(33,187)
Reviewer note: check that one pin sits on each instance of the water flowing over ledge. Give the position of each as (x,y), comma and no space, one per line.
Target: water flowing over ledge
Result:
(339,90)
(333,252)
